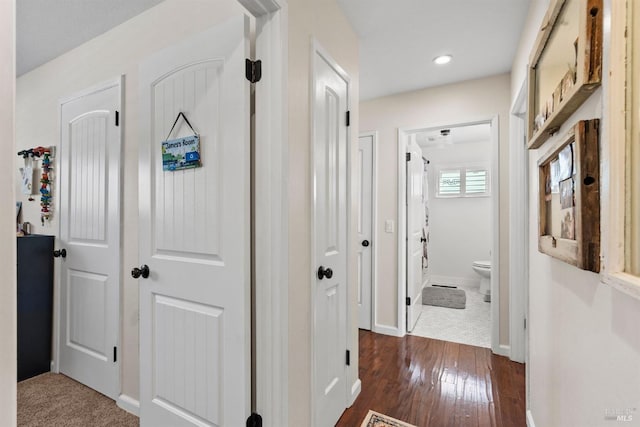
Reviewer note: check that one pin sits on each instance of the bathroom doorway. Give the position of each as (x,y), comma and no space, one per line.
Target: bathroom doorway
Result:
(448,232)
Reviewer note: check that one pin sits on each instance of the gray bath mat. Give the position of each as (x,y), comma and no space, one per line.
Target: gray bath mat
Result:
(444,297)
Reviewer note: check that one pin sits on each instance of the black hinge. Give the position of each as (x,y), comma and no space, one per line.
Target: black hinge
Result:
(348,118)
(408,301)
(525,323)
(408,157)
(117,118)
(115,354)
(348,358)
(254,420)
(253,70)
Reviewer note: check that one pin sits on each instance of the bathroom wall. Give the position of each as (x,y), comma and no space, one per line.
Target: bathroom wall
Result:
(466,101)
(459,227)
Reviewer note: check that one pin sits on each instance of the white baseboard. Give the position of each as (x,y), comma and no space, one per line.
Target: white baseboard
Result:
(530,422)
(502,350)
(387,330)
(355,391)
(129,404)
(455,281)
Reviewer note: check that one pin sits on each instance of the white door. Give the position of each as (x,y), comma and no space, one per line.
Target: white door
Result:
(330,138)
(90,234)
(194,234)
(365,230)
(415,221)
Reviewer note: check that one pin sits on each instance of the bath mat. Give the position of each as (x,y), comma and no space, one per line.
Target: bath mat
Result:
(444,297)
(375,419)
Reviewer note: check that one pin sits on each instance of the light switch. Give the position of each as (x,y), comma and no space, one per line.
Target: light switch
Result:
(388,226)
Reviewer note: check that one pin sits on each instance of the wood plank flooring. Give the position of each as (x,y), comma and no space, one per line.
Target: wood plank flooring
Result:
(433,383)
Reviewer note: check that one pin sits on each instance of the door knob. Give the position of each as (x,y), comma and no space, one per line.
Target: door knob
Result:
(322,273)
(60,253)
(365,243)
(142,271)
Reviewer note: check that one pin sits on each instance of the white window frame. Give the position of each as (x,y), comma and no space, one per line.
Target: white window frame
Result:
(614,151)
(463,180)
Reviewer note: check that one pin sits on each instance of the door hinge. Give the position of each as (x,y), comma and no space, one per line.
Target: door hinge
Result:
(117,118)
(348,118)
(254,420)
(408,157)
(408,300)
(348,358)
(115,354)
(253,70)
(525,323)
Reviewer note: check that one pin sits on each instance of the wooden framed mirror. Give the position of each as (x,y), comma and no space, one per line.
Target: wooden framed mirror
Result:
(565,65)
(569,195)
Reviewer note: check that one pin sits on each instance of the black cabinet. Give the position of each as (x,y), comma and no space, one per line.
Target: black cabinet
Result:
(35,304)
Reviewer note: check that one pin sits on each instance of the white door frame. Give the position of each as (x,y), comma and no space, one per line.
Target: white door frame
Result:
(518,228)
(271,219)
(317,49)
(403,134)
(374,222)
(55,363)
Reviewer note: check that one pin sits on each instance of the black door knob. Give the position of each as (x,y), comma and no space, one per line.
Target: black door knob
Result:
(365,243)
(60,253)
(142,271)
(324,272)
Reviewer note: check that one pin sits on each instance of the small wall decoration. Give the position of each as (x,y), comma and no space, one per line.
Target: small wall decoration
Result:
(45,184)
(569,211)
(181,153)
(566,65)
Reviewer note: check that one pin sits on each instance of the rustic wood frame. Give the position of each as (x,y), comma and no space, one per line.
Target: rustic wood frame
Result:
(584,251)
(588,72)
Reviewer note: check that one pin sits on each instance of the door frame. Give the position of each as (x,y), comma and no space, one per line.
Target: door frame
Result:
(403,134)
(349,392)
(270,218)
(118,82)
(374,221)
(518,229)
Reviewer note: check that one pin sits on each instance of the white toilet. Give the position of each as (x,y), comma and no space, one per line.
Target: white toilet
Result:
(483,268)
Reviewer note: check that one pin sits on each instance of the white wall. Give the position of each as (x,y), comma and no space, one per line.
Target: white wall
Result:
(324,21)
(445,105)
(584,344)
(116,52)
(7,218)
(459,227)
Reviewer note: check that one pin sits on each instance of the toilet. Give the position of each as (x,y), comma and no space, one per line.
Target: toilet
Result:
(483,268)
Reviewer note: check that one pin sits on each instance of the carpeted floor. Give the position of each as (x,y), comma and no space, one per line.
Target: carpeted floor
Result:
(53,400)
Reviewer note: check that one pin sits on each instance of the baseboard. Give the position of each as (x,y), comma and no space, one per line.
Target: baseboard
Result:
(455,281)
(129,404)
(355,391)
(502,350)
(530,422)
(387,330)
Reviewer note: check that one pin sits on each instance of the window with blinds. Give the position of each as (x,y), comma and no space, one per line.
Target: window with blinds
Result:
(463,182)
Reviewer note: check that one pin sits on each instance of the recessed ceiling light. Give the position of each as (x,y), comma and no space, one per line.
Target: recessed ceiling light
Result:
(442,59)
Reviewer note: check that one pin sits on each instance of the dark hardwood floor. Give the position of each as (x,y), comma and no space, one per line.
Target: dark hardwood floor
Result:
(437,383)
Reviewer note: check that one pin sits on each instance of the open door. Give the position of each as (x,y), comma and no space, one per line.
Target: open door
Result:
(415,238)
(194,264)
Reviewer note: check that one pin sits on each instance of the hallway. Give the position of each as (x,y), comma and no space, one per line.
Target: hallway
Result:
(437,383)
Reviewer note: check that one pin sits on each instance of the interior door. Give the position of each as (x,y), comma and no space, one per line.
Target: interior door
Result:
(194,234)
(89,174)
(330,237)
(415,221)
(365,230)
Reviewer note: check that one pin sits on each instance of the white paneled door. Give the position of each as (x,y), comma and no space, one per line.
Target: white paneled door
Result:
(364,163)
(195,236)
(330,138)
(415,221)
(89,174)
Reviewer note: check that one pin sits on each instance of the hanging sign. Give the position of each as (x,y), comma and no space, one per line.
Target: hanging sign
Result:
(181,153)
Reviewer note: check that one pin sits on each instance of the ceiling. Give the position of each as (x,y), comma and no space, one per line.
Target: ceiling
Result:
(435,138)
(400,38)
(46,29)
